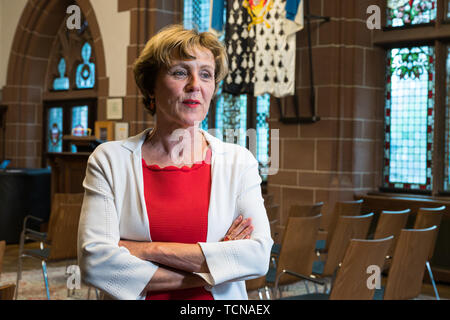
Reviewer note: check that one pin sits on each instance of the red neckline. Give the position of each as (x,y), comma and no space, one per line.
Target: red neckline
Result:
(155,167)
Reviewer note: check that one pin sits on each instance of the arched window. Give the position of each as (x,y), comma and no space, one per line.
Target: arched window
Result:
(70,99)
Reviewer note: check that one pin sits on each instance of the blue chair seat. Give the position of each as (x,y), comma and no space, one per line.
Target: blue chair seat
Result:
(320,244)
(318,267)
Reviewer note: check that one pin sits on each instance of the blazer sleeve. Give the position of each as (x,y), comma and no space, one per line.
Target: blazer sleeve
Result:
(243,259)
(102,262)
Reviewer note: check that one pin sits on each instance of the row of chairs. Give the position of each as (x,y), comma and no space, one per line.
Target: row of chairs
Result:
(297,253)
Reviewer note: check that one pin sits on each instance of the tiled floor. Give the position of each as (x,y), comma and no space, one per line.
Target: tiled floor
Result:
(11,254)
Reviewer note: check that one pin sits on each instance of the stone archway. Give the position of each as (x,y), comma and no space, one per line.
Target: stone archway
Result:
(27,74)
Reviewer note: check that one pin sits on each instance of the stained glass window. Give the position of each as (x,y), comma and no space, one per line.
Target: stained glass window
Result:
(79,120)
(62,82)
(231,118)
(262,132)
(447,127)
(409,118)
(448,9)
(196,14)
(85,76)
(55,129)
(410,12)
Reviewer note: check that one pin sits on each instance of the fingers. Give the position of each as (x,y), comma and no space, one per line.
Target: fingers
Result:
(240,229)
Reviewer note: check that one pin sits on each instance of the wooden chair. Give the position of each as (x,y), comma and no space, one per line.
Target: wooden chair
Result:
(391,223)
(297,253)
(428,217)
(408,264)
(348,227)
(7,291)
(352,277)
(61,238)
(305,210)
(341,208)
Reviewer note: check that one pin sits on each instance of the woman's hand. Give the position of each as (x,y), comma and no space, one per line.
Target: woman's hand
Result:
(240,229)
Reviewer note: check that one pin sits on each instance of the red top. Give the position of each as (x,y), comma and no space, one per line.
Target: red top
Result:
(177,201)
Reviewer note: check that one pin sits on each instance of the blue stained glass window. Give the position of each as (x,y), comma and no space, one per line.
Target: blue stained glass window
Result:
(55,129)
(410,12)
(196,14)
(231,118)
(262,132)
(61,83)
(79,120)
(409,115)
(85,76)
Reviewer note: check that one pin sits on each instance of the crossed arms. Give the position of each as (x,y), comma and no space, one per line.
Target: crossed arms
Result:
(178,261)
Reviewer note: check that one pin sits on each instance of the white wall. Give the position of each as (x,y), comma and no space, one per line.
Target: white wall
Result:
(10,13)
(114,27)
(115,31)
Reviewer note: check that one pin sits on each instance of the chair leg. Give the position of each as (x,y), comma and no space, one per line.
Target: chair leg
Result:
(260,294)
(19,277)
(45,274)
(432,280)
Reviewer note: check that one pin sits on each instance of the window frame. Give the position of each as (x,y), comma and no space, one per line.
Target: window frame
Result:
(436,34)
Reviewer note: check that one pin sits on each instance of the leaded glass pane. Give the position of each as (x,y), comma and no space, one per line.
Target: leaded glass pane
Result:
(196,14)
(54,129)
(62,82)
(231,118)
(79,120)
(410,12)
(85,76)
(409,118)
(262,133)
(447,127)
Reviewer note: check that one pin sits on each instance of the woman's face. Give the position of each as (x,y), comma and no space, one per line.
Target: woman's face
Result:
(184,91)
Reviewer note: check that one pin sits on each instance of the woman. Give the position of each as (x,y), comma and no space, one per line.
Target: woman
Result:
(159,207)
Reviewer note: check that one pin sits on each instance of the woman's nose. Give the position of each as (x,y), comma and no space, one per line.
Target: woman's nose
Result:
(193,83)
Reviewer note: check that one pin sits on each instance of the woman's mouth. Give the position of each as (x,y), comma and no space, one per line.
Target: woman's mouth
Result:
(191,103)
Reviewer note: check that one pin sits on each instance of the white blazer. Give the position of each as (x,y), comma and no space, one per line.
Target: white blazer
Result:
(114,208)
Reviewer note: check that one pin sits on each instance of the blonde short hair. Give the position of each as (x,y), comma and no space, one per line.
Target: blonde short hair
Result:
(175,41)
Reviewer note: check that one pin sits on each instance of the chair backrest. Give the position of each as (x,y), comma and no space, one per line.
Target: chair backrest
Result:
(428,217)
(352,278)
(408,264)
(305,210)
(65,231)
(297,252)
(390,223)
(2,254)
(57,201)
(7,292)
(348,227)
(342,208)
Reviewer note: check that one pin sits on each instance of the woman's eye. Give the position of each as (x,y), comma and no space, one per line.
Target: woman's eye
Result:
(206,75)
(179,73)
